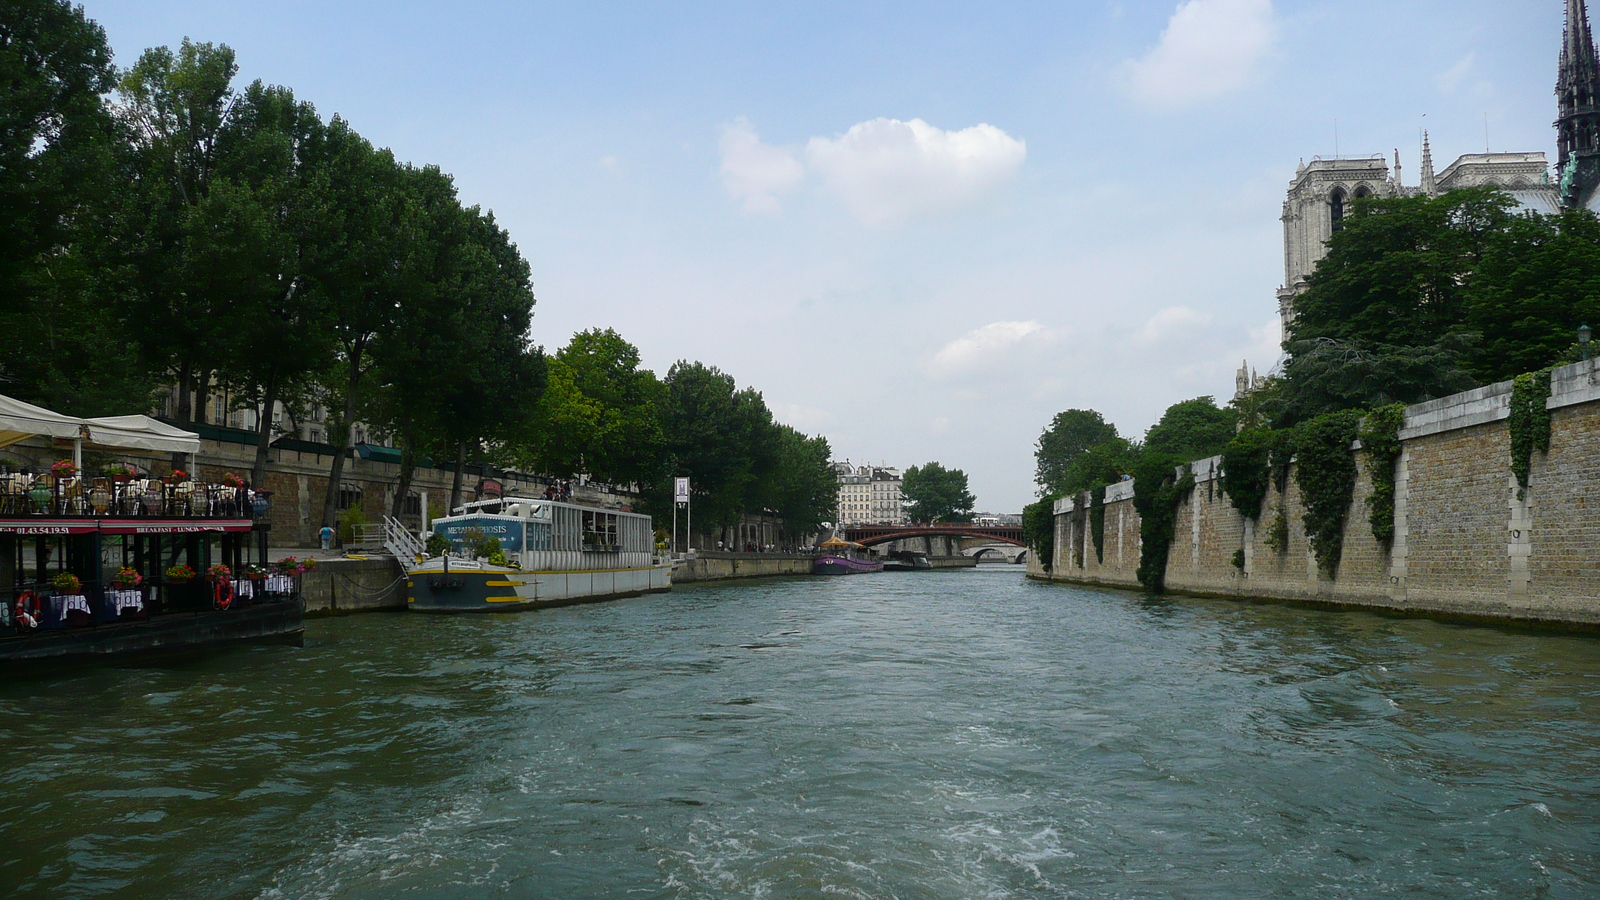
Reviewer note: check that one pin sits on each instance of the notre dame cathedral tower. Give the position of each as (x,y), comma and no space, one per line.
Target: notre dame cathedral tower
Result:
(1322,191)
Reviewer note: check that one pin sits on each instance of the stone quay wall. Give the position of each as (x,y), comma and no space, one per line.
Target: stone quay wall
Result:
(1465,544)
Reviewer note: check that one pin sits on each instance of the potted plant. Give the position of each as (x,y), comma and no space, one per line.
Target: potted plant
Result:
(231,480)
(219,572)
(119,472)
(66,583)
(175,476)
(126,579)
(180,574)
(63,468)
(254,573)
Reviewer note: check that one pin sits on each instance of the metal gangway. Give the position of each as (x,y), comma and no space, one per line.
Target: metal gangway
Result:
(399,540)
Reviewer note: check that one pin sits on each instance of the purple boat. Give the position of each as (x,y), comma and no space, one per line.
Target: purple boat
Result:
(834,564)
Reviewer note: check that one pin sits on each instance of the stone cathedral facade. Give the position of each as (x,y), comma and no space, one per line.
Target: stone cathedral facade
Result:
(1322,191)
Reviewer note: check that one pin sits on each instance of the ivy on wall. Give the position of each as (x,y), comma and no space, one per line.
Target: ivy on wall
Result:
(1529,423)
(1247,470)
(1380,437)
(1326,475)
(1039,530)
(1097,522)
(1278,533)
(1157,493)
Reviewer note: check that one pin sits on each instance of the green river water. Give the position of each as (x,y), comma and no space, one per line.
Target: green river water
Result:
(961,734)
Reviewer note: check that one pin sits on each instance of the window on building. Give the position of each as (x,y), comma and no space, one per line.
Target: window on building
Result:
(1336,204)
(349,494)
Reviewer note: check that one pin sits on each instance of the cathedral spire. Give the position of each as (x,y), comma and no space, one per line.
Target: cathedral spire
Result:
(1429,186)
(1578,122)
(1399,183)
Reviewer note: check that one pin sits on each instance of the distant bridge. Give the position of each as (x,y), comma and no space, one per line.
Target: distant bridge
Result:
(870,535)
(1011,553)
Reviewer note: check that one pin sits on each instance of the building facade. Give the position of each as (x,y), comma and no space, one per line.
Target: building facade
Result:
(869,495)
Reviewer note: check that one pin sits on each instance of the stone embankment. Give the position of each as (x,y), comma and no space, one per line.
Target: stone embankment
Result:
(1467,542)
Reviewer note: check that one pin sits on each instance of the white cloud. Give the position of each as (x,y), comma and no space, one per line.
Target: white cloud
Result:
(809,419)
(1210,48)
(992,346)
(1451,78)
(753,172)
(886,170)
(1171,323)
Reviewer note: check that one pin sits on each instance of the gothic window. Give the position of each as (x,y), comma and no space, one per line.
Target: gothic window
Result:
(1336,202)
(1363,191)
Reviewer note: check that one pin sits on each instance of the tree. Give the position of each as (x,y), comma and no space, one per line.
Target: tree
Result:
(805,486)
(1063,445)
(601,414)
(268,161)
(1399,271)
(180,242)
(1191,430)
(57,178)
(718,435)
(936,494)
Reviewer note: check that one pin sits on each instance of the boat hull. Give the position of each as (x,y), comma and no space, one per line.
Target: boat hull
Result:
(844,565)
(510,590)
(174,633)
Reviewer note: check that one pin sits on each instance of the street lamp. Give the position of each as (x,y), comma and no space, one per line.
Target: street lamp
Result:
(1584,333)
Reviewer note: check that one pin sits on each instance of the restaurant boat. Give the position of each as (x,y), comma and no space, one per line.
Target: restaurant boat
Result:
(518,553)
(112,566)
(842,557)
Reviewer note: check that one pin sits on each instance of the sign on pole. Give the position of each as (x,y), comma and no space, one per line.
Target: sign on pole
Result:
(680,490)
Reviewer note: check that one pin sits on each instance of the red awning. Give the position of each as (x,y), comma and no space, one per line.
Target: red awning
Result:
(121,526)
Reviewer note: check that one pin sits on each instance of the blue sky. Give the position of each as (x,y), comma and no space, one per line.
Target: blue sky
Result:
(802,194)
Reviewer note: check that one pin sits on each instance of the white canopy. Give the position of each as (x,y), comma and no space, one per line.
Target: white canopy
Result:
(19,421)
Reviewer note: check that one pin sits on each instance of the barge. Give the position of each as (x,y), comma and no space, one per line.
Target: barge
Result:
(518,553)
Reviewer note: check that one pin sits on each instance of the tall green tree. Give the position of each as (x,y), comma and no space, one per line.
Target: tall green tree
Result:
(265,212)
(57,178)
(178,240)
(1064,444)
(717,435)
(936,494)
(602,414)
(1191,430)
(805,485)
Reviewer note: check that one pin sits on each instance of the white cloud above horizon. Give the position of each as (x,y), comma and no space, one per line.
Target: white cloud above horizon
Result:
(984,347)
(1209,49)
(755,173)
(1170,323)
(886,171)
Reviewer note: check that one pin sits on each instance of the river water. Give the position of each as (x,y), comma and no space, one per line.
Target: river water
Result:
(959,734)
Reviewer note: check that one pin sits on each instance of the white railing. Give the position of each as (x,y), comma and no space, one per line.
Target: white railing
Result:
(399,540)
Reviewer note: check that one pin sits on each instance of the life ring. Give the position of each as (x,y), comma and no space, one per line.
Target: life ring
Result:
(222,593)
(28,614)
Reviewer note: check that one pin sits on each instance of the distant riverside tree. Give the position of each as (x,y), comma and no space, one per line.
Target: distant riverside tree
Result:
(719,436)
(1065,445)
(936,494)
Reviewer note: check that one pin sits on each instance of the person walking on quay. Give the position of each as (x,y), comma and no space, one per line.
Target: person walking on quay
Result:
(327,537)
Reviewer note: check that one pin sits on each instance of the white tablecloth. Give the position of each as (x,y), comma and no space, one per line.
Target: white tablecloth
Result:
(121,600)
(65,603)
(279,584)
(244,588)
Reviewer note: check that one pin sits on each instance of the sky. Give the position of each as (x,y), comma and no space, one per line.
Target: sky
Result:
(919,229)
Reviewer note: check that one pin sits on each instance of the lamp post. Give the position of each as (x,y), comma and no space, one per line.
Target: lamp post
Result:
(1584,333)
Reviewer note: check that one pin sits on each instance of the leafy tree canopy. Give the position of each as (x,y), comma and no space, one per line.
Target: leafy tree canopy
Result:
(936,494)
(1060,450)
(1191,430)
